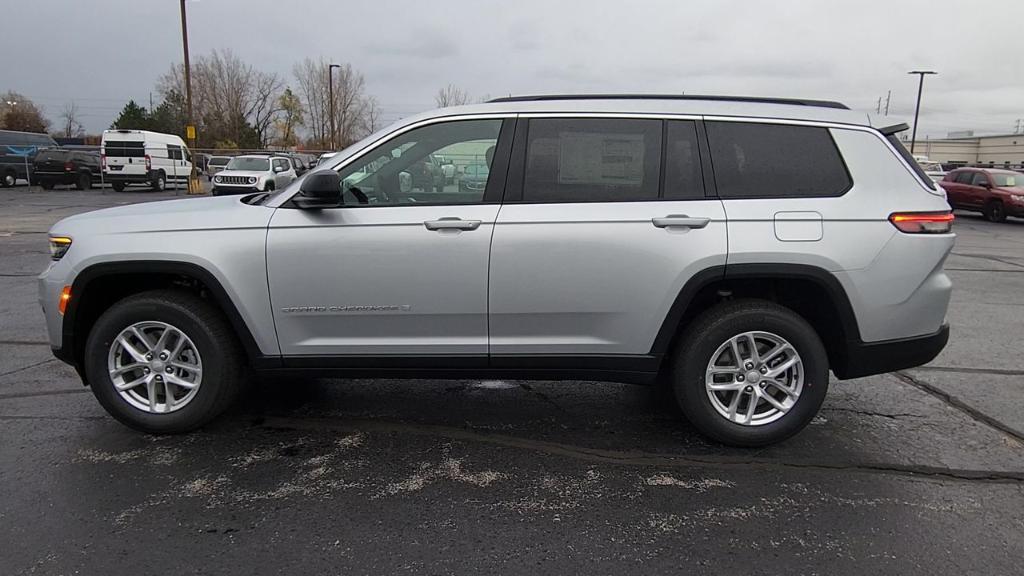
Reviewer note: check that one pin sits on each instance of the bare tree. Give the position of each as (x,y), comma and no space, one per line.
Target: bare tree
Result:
(451,95)
(72,126)
(351,104)
(231,100)
(372,117)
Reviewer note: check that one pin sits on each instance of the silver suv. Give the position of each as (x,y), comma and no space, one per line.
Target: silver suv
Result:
(734,249)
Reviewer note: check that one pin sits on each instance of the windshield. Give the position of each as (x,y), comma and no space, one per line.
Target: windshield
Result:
(219,160)
(928,166)
(1008,180)
(243,163)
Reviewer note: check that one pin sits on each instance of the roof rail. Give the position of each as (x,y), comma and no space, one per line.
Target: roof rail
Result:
(716,98)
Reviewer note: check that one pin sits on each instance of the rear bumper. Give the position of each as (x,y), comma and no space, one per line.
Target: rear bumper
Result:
(58,176)
(868,358)
(127,178)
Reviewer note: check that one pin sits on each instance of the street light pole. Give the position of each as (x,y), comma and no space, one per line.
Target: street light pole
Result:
(190,127)
(917,110)
(330,82)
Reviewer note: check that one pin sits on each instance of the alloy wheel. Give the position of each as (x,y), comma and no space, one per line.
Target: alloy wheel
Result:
(155,367)
(754,378)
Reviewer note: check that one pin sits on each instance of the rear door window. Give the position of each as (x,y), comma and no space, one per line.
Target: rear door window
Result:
(125,149)
(979,179)
(775,161)
(592,160)
(964,177)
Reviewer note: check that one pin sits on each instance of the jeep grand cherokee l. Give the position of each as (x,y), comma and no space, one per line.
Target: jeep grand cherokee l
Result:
(736,249)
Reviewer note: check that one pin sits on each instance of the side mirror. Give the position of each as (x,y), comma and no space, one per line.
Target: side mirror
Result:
(319,190)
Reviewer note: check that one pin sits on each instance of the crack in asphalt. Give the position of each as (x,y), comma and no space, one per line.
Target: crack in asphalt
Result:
(895,416)
(635,458)
(959,404)
(987,257)
(12,395)
(955,369)
(23,368)
(542,396)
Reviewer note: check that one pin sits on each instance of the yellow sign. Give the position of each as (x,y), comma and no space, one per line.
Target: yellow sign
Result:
(190,132)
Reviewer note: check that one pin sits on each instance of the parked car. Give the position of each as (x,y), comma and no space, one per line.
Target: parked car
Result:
(734,249)
(299,164)
(17,154)
(254,173)
(993,192)
(215,164)
(143,157)
(474,178)
(427,174)
(80,168)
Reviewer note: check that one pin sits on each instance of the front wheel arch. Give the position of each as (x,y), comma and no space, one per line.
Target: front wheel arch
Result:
(100,286)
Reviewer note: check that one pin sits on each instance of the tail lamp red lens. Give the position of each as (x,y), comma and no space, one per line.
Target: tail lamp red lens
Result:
(923,222)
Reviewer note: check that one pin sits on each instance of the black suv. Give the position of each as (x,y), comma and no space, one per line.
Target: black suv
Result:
(63,166)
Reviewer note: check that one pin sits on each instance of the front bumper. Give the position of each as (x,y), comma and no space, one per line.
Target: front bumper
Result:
(868,358)
(222,190)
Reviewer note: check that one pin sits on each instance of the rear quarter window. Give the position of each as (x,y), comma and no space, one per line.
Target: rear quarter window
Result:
(753,160)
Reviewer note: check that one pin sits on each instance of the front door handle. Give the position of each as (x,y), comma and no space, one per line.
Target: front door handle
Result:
(452,223)
(680,221)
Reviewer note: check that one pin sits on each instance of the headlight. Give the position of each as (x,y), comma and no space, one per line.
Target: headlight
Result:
(59,246)
(1017,197)
(217,179)
(252,179)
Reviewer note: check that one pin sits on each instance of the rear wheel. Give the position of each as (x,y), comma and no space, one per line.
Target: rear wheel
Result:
(117,186)
(163,361)
(84,181)
(46,184)
(750,373)
(995,211)
(159,182)
(9,179)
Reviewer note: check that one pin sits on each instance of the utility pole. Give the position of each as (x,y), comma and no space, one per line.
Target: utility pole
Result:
(330,82)
(887,98)
(917,109)
(878,109)
(190,127)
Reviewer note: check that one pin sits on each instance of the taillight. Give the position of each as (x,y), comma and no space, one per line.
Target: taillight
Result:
(923,222)
(68,166)
(149,163)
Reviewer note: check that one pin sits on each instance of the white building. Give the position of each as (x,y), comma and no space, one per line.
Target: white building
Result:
(1000,151)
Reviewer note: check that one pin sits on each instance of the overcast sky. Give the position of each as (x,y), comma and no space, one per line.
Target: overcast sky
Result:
(100,53)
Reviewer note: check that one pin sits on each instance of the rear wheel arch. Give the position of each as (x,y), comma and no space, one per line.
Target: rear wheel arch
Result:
(812,292)
(100,286)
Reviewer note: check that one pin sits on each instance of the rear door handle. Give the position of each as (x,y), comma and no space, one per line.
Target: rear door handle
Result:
(452,223)
(680,221)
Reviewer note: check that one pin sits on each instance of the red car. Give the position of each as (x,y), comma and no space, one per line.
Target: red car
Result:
(995,193)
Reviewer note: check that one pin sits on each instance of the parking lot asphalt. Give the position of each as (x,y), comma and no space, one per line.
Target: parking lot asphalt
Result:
(918,472)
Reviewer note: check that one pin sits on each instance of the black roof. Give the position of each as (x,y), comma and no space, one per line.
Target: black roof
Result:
(718,98)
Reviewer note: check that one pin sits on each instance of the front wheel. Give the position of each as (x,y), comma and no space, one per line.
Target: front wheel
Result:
(994,211)
(159,182)
(164,361)
(750,373)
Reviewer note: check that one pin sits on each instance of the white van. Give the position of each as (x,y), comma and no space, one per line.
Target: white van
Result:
(142,157)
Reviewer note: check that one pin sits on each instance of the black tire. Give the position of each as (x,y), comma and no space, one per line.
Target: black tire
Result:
(715,327)
(84,181)
(117,186)
(222,358)
(46,184)
(995,211)
(159,183)
(9,179)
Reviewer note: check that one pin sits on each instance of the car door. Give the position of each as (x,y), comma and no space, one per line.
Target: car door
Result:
(594,240)
(388,273)
(980,189)
(283,173)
